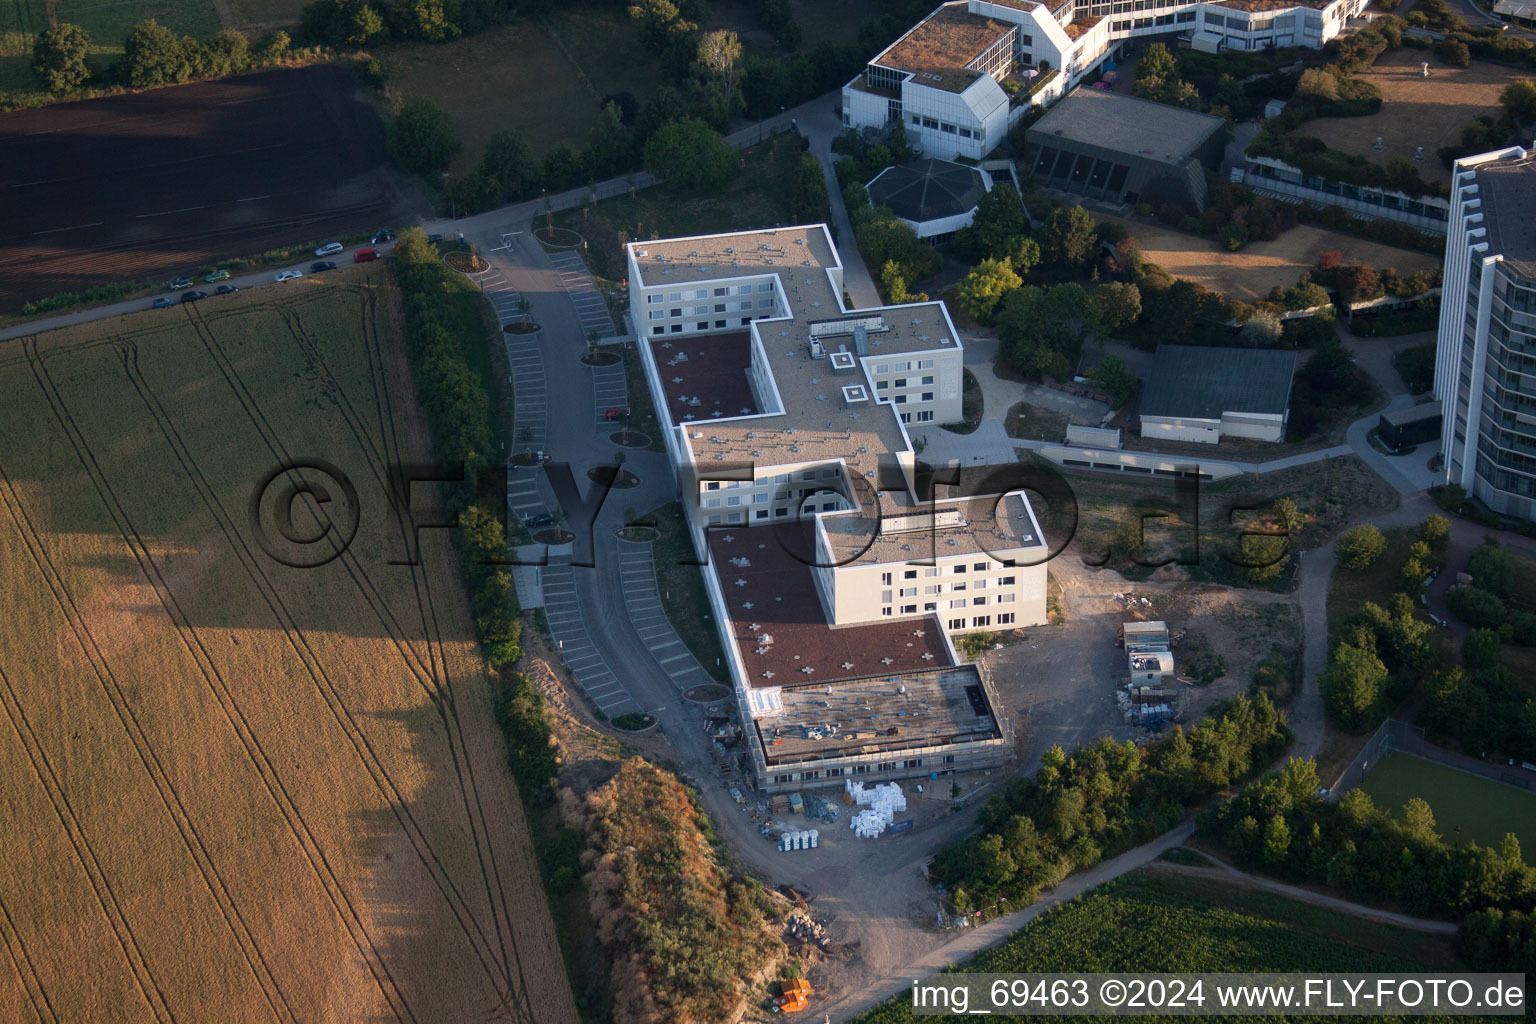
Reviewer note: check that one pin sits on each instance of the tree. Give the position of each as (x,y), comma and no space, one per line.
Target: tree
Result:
(692,155)
(1116,378)
(1116,304)
(1454,52)
(1519,101)
(1360,547)
(1305,294)
(998,220)
(153,55)
(611,146)
(422,137)
(229,51)
(1318,83)
(510,163)
(1419,819)
(808,200)
(981,290)
(1068,239)
(719,52)
(894,283)
(1023,254)
(1358,282)
(1352,685)
(1480,650)
(1494,569)
(363,25)
(1156,63)
(1286,515)
(1435,531)
(1262,330)
(58,58)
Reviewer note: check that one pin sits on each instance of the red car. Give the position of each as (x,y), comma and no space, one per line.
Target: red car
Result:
(365,256)
(618,412)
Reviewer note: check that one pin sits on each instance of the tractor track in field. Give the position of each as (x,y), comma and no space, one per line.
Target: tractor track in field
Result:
(218,687)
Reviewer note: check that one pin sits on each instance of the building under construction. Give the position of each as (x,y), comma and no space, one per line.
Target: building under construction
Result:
(1149,698)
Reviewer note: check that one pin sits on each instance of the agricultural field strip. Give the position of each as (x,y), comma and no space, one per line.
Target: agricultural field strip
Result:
(443,697)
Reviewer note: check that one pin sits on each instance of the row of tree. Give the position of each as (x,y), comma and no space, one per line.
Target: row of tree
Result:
(1102,798)
(153,55)
(1282,826)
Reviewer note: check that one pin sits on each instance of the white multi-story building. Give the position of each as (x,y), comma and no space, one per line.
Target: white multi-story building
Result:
(787,417)
(944,77)
(1485,359)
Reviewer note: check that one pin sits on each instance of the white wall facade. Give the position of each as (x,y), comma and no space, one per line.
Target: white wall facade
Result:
(1179,428)
(969,593)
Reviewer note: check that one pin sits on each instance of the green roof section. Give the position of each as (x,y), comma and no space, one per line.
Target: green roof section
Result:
(1196,382)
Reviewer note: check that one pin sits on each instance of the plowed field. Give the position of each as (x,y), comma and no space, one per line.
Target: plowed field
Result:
(159,183)
(232,788)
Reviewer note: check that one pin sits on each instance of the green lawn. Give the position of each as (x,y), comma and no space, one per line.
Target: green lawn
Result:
(109,23)
(1351,588)
(1155,922)
(1482,810)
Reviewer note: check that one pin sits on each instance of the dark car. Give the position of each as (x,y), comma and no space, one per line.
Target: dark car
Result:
(319,265)
(618,412)
(383,235)
(542,519)
(180,283)
(226,289)
(164,302)
(193,296)
(434,238)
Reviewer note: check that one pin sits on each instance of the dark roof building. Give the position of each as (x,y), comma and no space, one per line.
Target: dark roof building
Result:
(1125,149)
(936,197)
(1202,394)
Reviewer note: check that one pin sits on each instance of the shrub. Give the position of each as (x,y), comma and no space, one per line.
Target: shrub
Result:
(1477,607)
(59,58)
(422,137)
(1454,52)
(1449,497)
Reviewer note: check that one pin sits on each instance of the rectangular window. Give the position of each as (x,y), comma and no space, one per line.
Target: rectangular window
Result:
(927,380)
(675,312)
(908,591)
(1005,619)
(719,307)
(934,588)
(702,293)
(900,382)
(722,291)
(885,578)
(981,621)
(981,584)
(1006,598)
(653,299)
(927,396)
(909,609)
(658,330)
(925,416)
(1006,581)
(960,603)
(923,364)
(929,606)
(909,574)
(959,569)
(977,602)
(886,610)
(655,314)
(764,303)
(980,567)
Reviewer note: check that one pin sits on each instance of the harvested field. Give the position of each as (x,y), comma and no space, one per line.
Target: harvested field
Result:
(159,183)
(1416,111)
(1260,266)
(235,790)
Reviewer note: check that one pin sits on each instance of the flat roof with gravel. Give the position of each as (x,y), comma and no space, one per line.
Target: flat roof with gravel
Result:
(1508,191)
(1127,124)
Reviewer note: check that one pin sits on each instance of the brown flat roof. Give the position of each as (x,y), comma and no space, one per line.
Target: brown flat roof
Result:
(896,711)
(1079,26)
(705,375)
(769,590)
(948,39)
(1270,5)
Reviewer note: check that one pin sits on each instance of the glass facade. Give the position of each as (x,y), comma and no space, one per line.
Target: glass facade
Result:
(1506,434)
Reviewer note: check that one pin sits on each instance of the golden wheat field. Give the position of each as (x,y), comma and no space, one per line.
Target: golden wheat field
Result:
(234,789)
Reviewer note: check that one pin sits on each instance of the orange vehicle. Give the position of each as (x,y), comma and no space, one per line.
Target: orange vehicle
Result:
(796,996)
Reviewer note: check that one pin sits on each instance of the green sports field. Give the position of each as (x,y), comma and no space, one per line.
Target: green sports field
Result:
(1482,810)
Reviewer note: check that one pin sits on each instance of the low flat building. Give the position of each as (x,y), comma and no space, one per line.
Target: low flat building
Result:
(935,198)
(1116,148)
(1195,393)
(1404,428)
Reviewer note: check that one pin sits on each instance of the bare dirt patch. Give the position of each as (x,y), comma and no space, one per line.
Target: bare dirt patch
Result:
(1415,111)
(1260,266)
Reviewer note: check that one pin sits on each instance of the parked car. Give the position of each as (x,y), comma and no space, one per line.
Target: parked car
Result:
(434,237)
(288,275)
(365,256)
(542,519)
(193,296)
(164,302)
(328,248)
(180,283)
(320,266)
(217,275)
(383,235)
(226,289)
(618,412)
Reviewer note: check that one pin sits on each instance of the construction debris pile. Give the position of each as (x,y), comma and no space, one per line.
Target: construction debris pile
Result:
(881,804)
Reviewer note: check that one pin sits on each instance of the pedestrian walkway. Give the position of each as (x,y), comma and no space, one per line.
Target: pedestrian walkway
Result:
(609,391)
(577,652)
(591,307)
(637,575)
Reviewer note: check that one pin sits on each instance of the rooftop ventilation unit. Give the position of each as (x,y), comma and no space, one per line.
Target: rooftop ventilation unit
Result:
(842,362)
(639,253)
(814,347)
(855,396)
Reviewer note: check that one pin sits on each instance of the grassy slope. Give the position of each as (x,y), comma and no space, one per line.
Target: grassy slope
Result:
(1467,808)
(682,587)
(1153,922)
